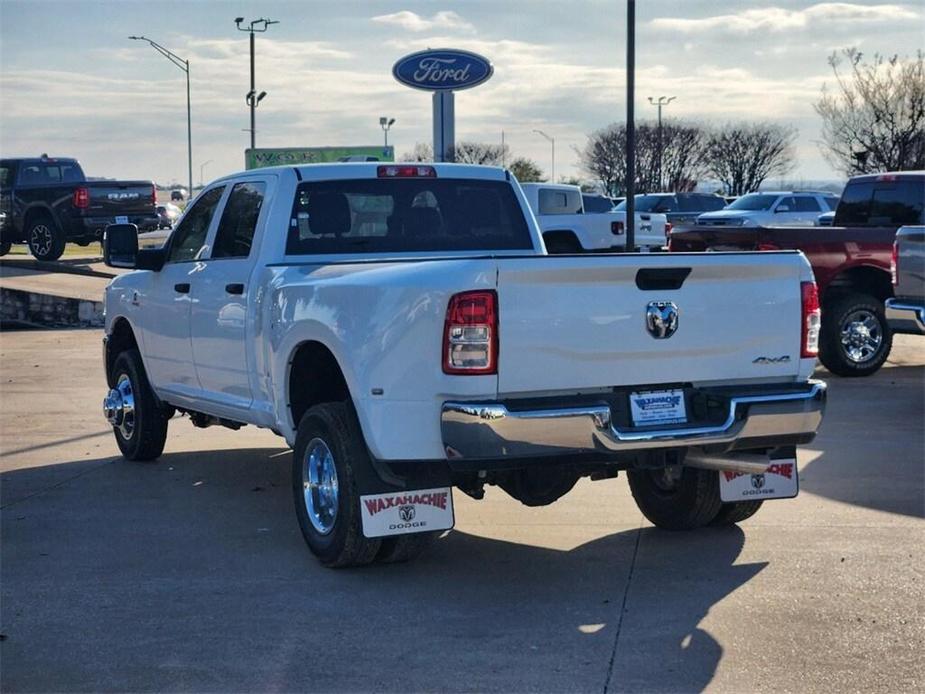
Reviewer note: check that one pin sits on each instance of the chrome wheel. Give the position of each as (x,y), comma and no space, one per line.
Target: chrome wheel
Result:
(319,485)
(40,239)
(119,407)
(861,336)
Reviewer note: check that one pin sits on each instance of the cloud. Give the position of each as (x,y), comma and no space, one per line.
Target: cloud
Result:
(778,19)
(411,21)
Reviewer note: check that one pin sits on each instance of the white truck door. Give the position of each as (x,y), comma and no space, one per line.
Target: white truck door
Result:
(166,311)
(221,294)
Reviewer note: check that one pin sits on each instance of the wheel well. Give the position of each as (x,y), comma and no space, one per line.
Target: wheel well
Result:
(314,377)
(563,237)
(866,280)
(33,214)
(120,339)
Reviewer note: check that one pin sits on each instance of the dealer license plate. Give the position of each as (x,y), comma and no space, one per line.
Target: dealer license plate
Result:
(400,513)
(780,481)
(658,407)
(122,219)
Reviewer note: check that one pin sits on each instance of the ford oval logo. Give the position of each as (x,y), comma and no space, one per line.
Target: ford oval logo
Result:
(442,69)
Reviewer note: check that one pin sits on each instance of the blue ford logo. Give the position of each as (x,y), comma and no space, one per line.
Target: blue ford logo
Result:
(442,69)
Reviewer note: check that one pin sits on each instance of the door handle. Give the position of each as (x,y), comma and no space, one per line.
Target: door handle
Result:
(182,288)
(235,288)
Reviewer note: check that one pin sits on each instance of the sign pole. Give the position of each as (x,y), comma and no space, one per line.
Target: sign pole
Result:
(444,125)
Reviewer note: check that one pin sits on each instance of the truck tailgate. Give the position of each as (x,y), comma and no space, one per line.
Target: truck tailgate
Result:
(111,198)
(578,322)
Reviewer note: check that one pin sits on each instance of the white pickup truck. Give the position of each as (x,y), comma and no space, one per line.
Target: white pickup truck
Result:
(404,330)
(567,228)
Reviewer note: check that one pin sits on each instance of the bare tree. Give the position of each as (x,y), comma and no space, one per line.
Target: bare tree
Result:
(683,149)
(875,120)
(526,170)
(743,155)
(465,152)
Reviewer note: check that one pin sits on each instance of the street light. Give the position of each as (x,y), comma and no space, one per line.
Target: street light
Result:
(552,141)
(661,101)
(183,65)
(252,98)
(201,168)
(385,122)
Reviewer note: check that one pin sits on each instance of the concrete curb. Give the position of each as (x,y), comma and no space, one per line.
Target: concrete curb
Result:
(49,310)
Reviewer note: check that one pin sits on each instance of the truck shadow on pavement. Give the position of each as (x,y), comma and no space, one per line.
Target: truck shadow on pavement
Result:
(190,574)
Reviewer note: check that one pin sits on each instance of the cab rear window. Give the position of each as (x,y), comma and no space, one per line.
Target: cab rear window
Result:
(405,215)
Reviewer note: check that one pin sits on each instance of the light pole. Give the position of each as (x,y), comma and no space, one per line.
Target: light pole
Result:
(630,125)
(661,101)
(385,123)
(552,141)
(253,98)
(202,166)
(183,65)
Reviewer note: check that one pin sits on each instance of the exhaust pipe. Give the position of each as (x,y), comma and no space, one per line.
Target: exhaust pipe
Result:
(749,463)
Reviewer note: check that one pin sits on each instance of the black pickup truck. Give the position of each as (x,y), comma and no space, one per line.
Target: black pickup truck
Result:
(47,201)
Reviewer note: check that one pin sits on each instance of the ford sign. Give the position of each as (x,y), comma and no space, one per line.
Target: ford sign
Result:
(442,69)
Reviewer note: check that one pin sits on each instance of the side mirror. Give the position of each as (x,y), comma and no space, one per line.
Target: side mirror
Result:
(782,208)
(120,245)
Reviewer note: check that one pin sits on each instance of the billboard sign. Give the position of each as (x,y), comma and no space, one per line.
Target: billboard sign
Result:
(287,156)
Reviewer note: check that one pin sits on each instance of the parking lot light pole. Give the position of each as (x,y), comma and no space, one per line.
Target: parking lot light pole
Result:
(661,101)
(202,167)
(386,123)
(552,141)
(183,65)
(253,98)
(630,126)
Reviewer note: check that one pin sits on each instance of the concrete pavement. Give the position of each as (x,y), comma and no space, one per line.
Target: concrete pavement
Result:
(190,573)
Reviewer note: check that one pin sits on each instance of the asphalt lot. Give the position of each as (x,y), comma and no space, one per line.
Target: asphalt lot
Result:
(190,573)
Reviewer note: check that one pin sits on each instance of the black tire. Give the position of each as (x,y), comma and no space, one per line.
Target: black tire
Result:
(405,547)
(144,439)
(335,537)
(676,499)
(736,512)
(46,241)
(5,247)
(839,316)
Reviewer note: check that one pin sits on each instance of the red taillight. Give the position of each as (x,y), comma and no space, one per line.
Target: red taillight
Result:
(667,232)
(812,319)
(153,194)
(81,198)
(616,228)
(470,334)
(768,247)
(894,263)
(407,171)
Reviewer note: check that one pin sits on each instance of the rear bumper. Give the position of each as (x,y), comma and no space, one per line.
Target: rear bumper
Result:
(93,227)
(491,431)
(904,317)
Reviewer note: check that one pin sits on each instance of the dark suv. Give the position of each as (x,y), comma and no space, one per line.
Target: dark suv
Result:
(679,208)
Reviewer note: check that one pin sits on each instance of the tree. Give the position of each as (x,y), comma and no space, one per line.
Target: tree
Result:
(465,152)
(743,155)
(875,120)
(526,170)
(422,152)
(683,147)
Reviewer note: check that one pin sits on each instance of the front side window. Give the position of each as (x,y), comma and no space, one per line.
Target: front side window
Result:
(806,204)
(854,208)
(190,234)
(405,215)
(239,220)
(786,205)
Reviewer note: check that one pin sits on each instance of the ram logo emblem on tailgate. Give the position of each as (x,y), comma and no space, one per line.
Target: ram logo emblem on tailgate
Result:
(662,319)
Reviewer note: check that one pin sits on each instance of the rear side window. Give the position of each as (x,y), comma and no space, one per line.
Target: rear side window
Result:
(807,204)
(854,208)
(239,220)
(6,175)
(190,234)
(405,215)
(552,201)
(897,203)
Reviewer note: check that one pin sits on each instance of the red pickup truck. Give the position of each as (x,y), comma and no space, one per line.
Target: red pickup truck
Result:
(851,261)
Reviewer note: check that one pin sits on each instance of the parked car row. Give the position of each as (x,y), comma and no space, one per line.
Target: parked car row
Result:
(851,262)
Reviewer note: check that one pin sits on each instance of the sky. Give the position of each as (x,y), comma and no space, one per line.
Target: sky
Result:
(72,84)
